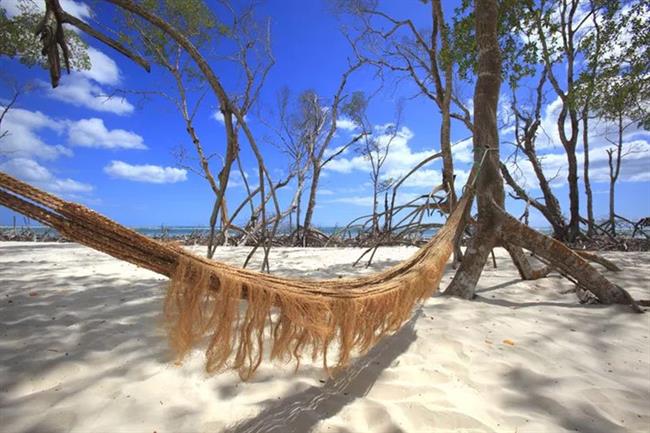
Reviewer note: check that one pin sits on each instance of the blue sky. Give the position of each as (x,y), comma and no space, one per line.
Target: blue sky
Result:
(117,155)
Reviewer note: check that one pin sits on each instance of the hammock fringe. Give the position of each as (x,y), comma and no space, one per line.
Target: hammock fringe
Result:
(201,302)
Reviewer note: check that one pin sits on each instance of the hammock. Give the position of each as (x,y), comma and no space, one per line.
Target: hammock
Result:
(204,299)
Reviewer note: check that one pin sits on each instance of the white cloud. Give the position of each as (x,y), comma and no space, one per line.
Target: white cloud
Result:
(103,69)
(79,91)
(81,88)
(332,150)
(400,160)
(463,151)
(78,9)
(218,116)
(235,180)
(93,133)
(346,124)
(84,88)
(366,200)
(145,173)
(357,200)
(22,139)
(634,167)
(34,173)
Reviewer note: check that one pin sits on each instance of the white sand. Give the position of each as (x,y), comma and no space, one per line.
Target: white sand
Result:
(82,350)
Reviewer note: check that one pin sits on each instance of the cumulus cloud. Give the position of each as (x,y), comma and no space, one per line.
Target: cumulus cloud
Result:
(34,173)
(84,88)
(366,200)
(103,69)
(78,9)
(22,139)
(218,116)
(463,151)
(235,180)
(145,173)
(355,200)
(634,166)
(93,133)
(334,150)
(80,91)
(23,131)
(346,124)
(400,160)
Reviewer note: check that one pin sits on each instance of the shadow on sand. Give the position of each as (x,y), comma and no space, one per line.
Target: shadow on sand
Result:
(301,412)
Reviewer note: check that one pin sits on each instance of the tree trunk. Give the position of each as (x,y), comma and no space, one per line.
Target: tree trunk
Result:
(614,171)
(301,183)
(486,151)
(574,197)
(569,144)
(311,203)
(585,175)
(612,221)
(374,206)
(232,149)
(585,118)
(443,94)
(445,149)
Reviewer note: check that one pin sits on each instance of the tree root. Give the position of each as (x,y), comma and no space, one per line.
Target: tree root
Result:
(523,265)
(515,236)
(609,265)
(566,261)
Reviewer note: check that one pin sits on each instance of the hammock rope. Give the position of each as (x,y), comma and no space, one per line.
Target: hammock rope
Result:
(204,299)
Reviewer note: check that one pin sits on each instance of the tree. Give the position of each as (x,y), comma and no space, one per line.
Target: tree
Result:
(547,31)
(494,226)
(318,130)
(615,87)
(304,136)
(289,140)
(580,38)
(527,123)
(425,57)
(593,47)
(252,54)
(623,100)
(374,147)
(19,40)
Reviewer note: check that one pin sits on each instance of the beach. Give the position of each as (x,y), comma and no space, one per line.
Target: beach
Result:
(83,348)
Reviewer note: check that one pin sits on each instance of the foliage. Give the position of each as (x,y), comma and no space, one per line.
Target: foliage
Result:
(355,108)
(518,55)
(17,39)
(192,17)
(623,82)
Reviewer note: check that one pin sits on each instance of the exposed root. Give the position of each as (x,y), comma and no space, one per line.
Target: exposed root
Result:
(526,271)
(608,264)
(565,261)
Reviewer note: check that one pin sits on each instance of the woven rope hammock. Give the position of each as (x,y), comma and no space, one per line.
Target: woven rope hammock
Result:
(204,299)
